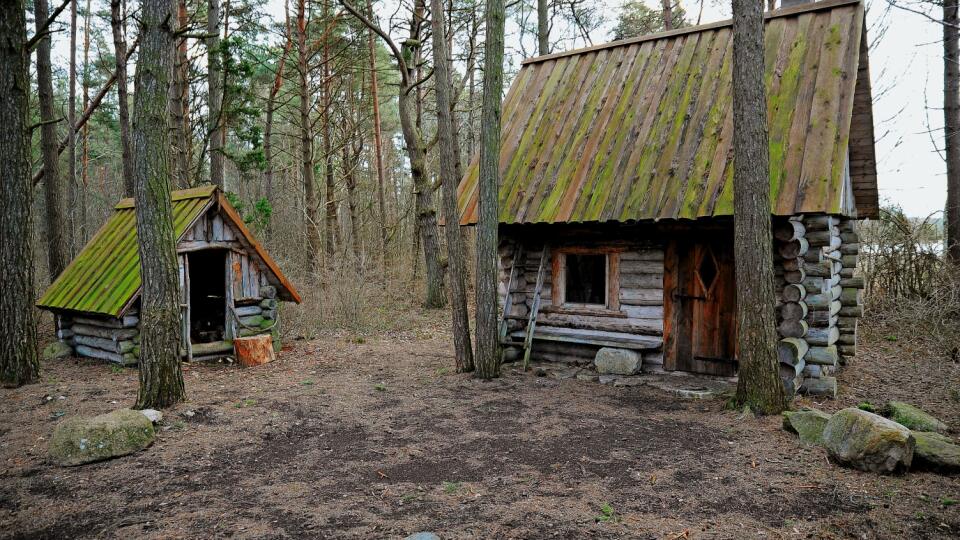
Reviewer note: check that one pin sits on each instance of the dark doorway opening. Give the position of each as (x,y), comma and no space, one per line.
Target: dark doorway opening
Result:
(207,295)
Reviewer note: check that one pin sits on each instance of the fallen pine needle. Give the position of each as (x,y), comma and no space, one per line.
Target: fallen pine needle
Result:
(383,474)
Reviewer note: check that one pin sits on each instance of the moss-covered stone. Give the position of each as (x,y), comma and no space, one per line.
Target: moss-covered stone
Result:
(868,442)
(807,423)
(81,440)
(936,452)
(57,350)
(914,418)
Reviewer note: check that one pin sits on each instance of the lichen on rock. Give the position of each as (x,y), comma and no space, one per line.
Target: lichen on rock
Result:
(868,442)
(80,440)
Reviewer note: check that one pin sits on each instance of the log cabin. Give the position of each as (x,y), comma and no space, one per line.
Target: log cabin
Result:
(616,197)
(229,284)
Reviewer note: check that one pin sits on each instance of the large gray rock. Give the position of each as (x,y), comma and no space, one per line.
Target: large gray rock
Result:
(81,440)
(936,452)
(808,424)
(422,536)
(868,442)
(611,361)
(916,419)
(57,350)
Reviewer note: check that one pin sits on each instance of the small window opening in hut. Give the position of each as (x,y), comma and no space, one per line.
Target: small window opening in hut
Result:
(207,295)
(586,279)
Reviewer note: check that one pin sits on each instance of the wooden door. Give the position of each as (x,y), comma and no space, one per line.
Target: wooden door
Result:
(700,305)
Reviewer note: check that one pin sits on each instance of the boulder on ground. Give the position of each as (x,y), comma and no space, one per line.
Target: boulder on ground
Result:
(57,350)
(422,536)
(807,423)
(914,418)
(82,440)
(868,442)
(936,452)
(612,361)
(153,415)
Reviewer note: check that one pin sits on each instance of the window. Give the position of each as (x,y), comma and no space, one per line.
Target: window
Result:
(586,279)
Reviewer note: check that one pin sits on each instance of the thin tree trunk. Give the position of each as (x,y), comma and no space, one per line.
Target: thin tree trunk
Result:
(456,263)
(161,379)
(180,136)
(85,146)
(488,347)
(120,52)
(306,140)
(759,383)
(215,93)
(271,106)
(543,28)
(330,204)
(72,139)
(951,123)
(351,160)
(58,246)
(377,137)
(19,364)
(667,14)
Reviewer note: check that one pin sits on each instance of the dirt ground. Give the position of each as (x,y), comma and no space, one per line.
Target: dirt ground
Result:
(377,438)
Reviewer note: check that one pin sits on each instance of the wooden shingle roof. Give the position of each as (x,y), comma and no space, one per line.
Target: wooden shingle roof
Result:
(104,278)
(642,129)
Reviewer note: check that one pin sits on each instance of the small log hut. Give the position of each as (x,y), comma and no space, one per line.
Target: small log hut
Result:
(616,197)
(229,284)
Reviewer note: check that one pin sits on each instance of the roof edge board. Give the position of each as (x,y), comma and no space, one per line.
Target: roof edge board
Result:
(783,12)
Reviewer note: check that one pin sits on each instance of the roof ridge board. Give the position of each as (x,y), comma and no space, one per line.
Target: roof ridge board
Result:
(775,14)
(197,192)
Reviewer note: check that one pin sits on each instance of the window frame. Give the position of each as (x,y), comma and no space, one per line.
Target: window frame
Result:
(611,305)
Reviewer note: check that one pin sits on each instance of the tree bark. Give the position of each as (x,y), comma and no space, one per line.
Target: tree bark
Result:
(271,106)
(120,52)
(951,126)
(330,203)
(488,346)
(543,28)
(75,225)
(85,132)
(377,137)
(215,93)
(161,379)
(759,383)
(19,364)
(667,6)
(58,246)
(179,103)
(306,140)
(447,142)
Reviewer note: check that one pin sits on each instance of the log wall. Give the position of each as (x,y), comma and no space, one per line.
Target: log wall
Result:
(635,322)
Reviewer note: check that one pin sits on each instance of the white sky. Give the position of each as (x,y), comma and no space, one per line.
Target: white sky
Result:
(907,72)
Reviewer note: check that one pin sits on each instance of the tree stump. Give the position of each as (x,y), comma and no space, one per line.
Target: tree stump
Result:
(254,350)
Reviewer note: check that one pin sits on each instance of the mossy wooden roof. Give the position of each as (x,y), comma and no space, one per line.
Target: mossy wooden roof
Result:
(104,278)
(642,129)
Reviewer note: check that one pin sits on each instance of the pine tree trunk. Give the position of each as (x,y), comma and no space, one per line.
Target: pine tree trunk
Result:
(215,93)
(306,141)
(74,192)
(951,123)
(161,379)
(446,141)
(120,52)
(759,379)
(85,132)
(377,138)
(667,6)
(330,204)
(179,121)
(351,160)
(543,28)
(488,346)
(19,364)
(271,106)
(58,246)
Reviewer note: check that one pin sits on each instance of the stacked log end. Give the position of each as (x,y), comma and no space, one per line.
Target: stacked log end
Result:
(822,264)
(115,339)
(851,295)
(792,309)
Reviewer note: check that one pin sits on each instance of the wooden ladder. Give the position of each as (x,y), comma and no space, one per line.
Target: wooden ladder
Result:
(519,263)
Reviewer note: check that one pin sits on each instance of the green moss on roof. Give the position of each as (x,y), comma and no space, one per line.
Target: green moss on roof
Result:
(105,276)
